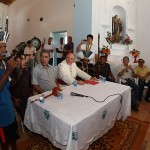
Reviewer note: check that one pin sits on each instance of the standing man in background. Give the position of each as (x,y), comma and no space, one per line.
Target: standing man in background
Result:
(68,48)
(50,47)
(59,50)
(8,124)
(29,53)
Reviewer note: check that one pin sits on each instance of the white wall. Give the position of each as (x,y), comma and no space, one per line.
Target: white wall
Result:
(3,15)
(58,15)
(82,20)
(143,29)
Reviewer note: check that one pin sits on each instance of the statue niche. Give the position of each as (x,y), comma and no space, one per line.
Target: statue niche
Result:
(116,29)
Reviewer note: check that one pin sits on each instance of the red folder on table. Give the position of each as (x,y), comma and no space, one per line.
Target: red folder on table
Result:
(90,82)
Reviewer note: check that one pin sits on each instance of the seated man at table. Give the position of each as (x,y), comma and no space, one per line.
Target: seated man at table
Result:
(102,68)
(44,76)
(126,73)
(68,71)
(86,66)
(143,73)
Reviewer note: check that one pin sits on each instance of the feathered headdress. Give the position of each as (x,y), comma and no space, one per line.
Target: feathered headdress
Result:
(4,36)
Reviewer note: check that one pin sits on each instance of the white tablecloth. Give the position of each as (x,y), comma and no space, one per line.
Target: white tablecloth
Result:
(75,122)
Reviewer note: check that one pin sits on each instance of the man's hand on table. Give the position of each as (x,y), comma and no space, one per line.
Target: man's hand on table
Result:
(94,79)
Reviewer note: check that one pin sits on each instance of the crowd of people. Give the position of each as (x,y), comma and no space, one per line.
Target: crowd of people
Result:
(21,77)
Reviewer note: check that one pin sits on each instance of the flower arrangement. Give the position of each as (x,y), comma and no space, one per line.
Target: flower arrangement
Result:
(105,50)
(128,41)
(135,53)
(109,38)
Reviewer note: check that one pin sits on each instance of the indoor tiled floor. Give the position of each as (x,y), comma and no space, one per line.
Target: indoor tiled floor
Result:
(144,115)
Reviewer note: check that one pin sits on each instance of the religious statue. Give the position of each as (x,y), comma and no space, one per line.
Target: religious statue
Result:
(116,28)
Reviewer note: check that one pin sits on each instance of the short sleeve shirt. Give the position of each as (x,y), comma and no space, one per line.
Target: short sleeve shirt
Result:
(48,47)
(44,77)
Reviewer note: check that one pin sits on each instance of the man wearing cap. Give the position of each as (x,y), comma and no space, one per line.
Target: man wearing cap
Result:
(143,73)
(86,67)
(8,125)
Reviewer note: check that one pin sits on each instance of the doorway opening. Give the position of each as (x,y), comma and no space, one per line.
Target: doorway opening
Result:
(56,39)
(57,35)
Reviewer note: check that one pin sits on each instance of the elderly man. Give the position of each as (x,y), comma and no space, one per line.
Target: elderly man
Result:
(126,73)
(68,71)
(44,75)
(8,125)
(143,73)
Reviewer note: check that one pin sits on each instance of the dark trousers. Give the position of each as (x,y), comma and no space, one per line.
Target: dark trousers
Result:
(142,83)
(134,92)
(21,109)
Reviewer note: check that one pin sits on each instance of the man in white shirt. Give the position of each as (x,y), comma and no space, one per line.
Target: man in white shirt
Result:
(126,73)
(59,50)
(50,47)
(68,71)
(29,51)
(88,50)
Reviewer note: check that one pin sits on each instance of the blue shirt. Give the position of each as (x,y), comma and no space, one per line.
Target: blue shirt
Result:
(7,114)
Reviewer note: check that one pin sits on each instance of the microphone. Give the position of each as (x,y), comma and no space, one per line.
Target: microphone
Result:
(7,55)
(76,94)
